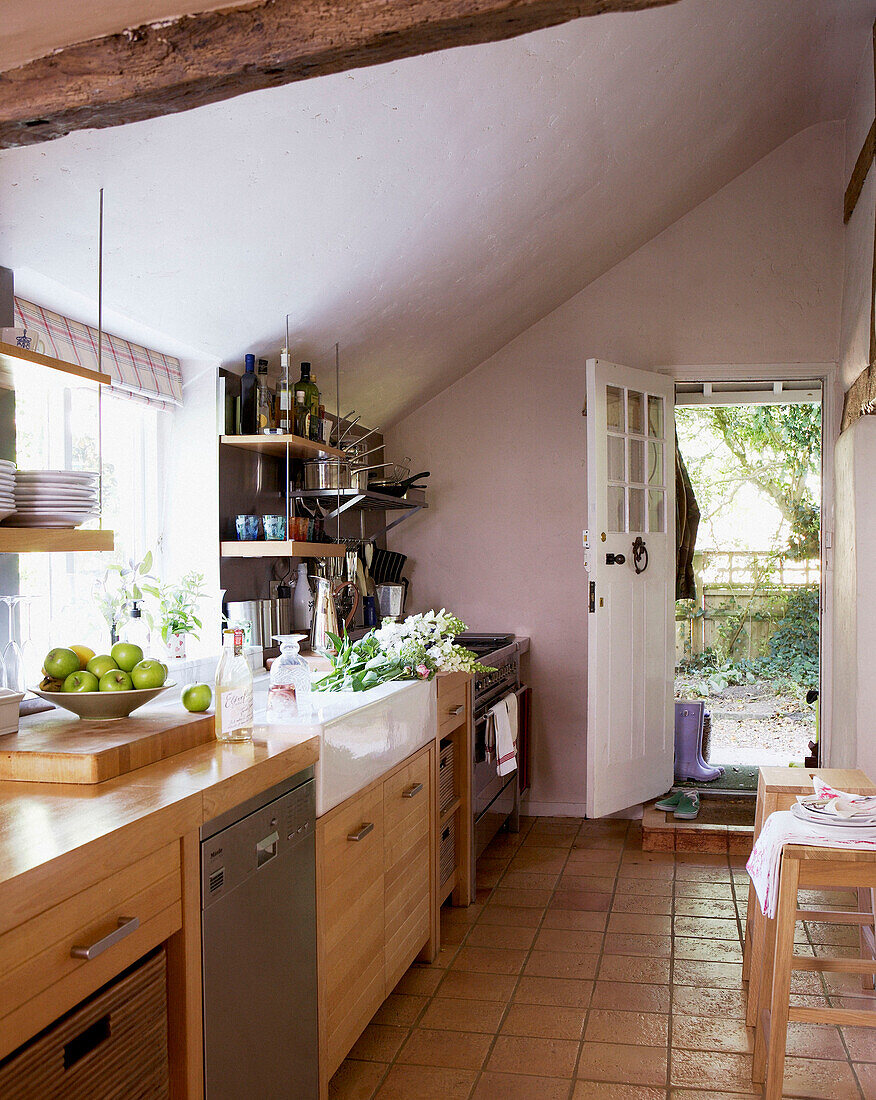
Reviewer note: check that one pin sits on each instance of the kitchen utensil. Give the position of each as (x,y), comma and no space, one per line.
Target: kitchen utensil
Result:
(103,706)
(257,613)
(391,599)
(355,442)
(325,614)
(351,424)
(247,528)
(397,489)
(359,476)
(336,473)
(281,611)
(275,527)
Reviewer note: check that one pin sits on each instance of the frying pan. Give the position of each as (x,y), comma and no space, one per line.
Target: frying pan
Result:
(397,488)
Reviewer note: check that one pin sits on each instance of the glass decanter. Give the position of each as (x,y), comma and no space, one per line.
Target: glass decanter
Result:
(289,693)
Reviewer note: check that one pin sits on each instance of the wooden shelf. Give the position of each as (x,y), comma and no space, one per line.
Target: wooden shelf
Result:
(52,540)
(449,812)
(277,444)
(277,548)
(12,357)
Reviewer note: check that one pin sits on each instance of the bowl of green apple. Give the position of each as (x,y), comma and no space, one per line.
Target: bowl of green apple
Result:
(101,686)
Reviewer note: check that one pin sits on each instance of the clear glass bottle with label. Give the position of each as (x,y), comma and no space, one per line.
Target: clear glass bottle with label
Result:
(284,403)
(233,690)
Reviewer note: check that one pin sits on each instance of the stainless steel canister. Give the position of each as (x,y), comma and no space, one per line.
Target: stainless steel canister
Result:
(258,614)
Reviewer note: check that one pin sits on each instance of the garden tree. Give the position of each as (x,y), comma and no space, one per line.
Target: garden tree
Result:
(777,449)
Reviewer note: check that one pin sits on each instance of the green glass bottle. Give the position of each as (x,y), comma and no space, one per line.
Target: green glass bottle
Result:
(311,397)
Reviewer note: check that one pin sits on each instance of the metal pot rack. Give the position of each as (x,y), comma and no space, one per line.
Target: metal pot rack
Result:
(345,500)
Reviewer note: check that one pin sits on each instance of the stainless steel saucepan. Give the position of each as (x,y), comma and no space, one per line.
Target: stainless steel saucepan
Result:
(337,473)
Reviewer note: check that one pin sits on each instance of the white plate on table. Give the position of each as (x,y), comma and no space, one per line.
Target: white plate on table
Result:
(802,813)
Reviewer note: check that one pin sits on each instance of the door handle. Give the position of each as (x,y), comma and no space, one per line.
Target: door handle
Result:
(364,829)
(127,925)
(457,710)
(411,791)
(614,559)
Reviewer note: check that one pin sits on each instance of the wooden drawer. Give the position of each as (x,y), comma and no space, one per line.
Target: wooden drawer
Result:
(350,922)
(451,703)
(406,791)
(39,977)
(407,797)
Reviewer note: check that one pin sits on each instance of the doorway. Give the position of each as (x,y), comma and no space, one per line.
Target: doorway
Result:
(749,628)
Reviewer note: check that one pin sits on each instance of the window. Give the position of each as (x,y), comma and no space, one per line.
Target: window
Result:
(62,425)
(636,463)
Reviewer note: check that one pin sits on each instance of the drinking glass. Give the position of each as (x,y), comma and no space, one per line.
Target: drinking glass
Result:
(13,663)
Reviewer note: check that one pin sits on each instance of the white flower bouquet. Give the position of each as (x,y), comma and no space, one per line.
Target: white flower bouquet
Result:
(415,649)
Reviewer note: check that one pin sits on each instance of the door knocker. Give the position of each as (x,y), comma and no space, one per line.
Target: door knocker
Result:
(640,555)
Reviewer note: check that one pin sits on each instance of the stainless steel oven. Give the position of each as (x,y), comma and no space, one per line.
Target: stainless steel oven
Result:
(495,798)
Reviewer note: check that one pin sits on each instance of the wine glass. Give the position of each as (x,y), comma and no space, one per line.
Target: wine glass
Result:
(13,663)
(29,655)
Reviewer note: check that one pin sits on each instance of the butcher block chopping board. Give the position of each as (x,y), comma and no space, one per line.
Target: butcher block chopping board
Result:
(54,749)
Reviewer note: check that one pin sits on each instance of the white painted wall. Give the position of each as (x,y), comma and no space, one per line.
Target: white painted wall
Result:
(852,741)
(752,275)
(190,527)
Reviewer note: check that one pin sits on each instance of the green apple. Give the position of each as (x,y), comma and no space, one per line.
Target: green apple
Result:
(60,663)
(148,674)
(101,664)
(197,697)
(115,680)
(126,655)
(81,681)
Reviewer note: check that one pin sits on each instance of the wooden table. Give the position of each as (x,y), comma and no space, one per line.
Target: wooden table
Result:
(777,789)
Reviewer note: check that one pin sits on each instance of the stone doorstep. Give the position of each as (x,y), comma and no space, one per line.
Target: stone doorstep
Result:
(661,832)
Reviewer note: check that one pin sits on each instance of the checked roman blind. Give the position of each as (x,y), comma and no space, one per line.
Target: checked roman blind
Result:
(136,371)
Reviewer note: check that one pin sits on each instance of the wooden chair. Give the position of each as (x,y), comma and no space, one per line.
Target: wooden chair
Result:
(806,868)
(777,789)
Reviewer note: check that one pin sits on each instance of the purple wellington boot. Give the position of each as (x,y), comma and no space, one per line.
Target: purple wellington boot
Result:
(689,763)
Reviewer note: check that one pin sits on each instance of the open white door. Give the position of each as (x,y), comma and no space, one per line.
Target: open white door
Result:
(631,624)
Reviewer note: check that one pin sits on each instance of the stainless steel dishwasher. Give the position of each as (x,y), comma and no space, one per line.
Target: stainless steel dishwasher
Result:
(258,938)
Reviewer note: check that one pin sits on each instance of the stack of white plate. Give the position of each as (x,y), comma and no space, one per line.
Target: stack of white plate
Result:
(54,498)
(7,487)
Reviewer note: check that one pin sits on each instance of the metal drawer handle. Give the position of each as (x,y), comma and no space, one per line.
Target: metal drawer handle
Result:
(457,710)
(364,829)
(411,791)
(127,925)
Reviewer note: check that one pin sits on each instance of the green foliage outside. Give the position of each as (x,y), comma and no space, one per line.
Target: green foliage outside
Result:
(776,451)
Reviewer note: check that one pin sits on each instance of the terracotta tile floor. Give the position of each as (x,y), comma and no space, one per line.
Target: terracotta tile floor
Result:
(591,970)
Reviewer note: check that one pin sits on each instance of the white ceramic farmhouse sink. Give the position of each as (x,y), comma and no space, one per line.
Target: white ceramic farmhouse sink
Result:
(365,733)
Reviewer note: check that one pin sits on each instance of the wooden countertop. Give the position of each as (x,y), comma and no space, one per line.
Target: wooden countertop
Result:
(48,829)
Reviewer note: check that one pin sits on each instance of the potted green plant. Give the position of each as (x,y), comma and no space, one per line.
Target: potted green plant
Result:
(124,581)
(177,611)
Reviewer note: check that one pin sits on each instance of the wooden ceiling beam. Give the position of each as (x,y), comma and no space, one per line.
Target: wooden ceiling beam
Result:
(179,64)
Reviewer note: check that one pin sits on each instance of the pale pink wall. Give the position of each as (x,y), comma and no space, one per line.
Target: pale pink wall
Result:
(852,741)
(858,234)
(752,275)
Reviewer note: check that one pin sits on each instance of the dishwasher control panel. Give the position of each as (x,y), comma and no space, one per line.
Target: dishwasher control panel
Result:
(232,856)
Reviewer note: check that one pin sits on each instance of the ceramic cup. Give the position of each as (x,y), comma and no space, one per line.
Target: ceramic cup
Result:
(247,528)
(275,527)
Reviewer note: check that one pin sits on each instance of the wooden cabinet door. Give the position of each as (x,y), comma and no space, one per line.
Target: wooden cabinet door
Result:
(350,923)
(407,798)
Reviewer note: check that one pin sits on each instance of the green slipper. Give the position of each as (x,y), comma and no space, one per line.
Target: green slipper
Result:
(688,806)
(670,801)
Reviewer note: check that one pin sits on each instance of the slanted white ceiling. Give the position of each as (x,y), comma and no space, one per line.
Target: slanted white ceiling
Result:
(424,213)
